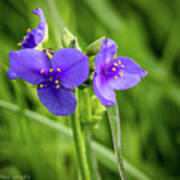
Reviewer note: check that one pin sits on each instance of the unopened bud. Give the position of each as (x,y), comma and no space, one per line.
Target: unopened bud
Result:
(94,47)
(69,40)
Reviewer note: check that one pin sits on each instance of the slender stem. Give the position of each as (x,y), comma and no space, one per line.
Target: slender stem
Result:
(48,51)
(114,120)
(91,157)
(88,140)
(80,144)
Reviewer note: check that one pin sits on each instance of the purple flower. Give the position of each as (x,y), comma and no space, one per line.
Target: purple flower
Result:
(67,69)
(111,74)
(36,35)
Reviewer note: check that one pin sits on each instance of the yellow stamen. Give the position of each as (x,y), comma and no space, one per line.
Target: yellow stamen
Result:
(115,64)
(51,70)
(28,30)
(41,85)
(115,77)
(58,86)
(19,44)
(56,82)
(25,37)
(121,74)
(42,71)
(122,66)
(113,69)
(58,69)
(119,62)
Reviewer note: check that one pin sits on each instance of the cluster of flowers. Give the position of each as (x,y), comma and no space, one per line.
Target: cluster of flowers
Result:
(68,68)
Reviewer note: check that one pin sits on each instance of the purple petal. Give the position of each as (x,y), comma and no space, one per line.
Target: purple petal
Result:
(36,35)
(105,94)
(106,54)
(74,67)
(12,74)
(122,83)
(58,101)
(131,66)
(27,64)
(129,75)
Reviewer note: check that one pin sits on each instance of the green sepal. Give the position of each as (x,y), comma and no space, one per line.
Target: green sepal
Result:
(69,40)
(93,48)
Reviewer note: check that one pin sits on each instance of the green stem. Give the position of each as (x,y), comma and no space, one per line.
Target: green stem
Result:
(114,120)
(91,157)
(80,144)
(88,140)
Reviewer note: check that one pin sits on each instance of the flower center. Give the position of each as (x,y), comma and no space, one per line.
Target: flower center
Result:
(113,69)
(52,78)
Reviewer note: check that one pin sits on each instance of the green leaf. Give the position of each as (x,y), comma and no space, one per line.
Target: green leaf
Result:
(114,120)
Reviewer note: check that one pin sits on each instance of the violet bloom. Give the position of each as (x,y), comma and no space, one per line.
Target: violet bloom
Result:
(111,74)
(67,69)
(36,35)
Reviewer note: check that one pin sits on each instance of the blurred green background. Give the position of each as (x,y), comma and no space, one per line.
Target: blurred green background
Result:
(148,32)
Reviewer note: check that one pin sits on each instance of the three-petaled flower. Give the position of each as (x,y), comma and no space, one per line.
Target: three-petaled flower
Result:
(67,69)
(36,35)
(114,73)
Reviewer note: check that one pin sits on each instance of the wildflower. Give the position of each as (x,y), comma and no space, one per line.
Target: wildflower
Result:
(67,69)
(114,73)
(36,35)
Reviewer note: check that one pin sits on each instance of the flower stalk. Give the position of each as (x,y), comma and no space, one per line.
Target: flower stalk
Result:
(88,140)
(80,144)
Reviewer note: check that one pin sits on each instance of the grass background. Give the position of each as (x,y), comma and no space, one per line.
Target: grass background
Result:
(147,31)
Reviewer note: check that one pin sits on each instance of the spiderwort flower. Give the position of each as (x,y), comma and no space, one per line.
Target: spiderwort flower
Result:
(36,35)
(67,69)
(114,73)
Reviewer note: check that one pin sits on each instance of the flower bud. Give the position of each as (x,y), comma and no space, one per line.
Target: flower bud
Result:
(46,37)
(90,109)
(94,47)
(69,40)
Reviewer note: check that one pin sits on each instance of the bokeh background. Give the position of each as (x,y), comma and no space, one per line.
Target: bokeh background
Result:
(32,146)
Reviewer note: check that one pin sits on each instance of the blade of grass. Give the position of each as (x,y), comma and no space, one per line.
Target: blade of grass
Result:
(56,20)
(103,10)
